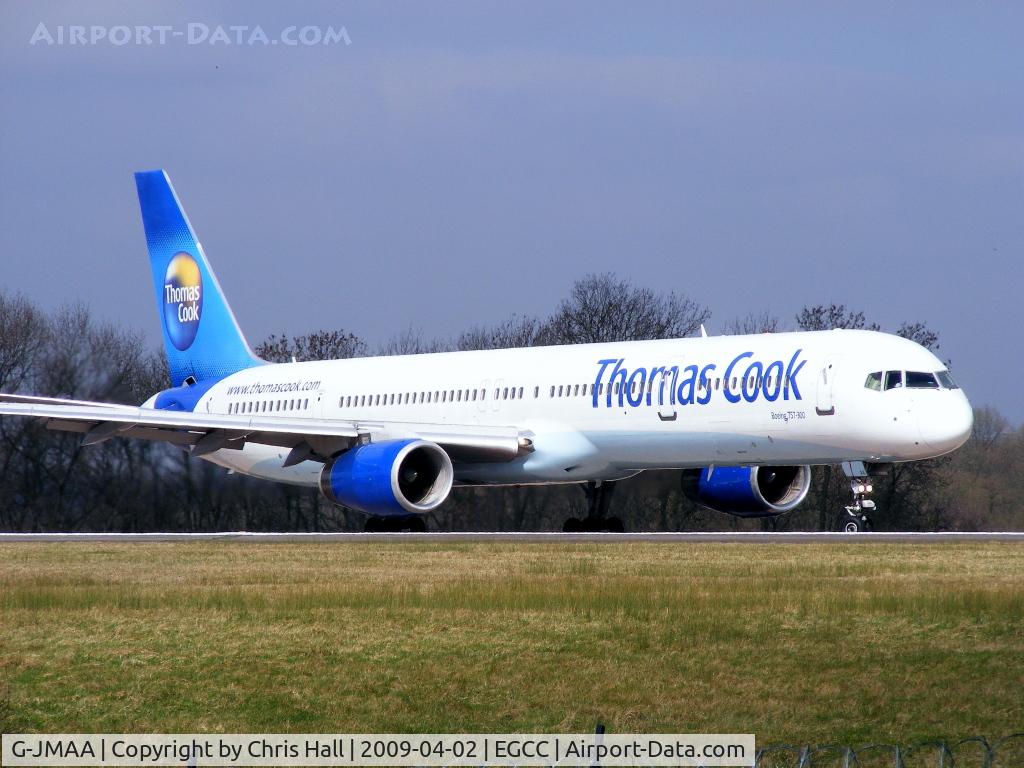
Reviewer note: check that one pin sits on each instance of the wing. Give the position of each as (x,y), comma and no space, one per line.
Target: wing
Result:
(315,439)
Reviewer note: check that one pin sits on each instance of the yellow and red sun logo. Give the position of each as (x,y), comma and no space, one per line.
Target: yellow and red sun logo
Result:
(183,299)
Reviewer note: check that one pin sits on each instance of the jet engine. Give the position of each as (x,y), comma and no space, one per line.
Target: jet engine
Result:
(748,491)
(389,478)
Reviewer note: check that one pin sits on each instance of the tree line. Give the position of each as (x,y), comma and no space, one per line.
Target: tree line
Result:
(50,482)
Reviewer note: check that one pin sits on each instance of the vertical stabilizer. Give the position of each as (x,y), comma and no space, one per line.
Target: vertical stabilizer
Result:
(201,336)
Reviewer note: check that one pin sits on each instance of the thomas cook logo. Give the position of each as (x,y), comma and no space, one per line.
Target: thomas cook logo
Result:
(183,300)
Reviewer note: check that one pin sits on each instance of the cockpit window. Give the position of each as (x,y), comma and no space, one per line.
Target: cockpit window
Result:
(874,381)
(893,379)
(947,380)
(921,380)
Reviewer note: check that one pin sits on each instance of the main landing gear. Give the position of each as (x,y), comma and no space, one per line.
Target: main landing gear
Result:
(599,497)
(856,518)
(399,524)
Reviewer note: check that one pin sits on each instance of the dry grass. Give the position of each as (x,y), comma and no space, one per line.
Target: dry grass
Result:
(804,643)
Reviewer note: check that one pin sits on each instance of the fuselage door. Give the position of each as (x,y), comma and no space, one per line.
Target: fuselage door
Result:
(826,405)
(485,388)
(499,384)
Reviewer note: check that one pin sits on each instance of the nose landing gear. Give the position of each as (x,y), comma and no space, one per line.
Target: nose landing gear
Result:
(856,518)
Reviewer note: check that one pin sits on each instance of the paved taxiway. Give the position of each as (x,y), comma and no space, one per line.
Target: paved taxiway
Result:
(736,538)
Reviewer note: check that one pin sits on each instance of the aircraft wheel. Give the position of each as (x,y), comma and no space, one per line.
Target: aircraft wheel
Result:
(613,525)
(374,525)
(417,524)
(853,523)
(572,525)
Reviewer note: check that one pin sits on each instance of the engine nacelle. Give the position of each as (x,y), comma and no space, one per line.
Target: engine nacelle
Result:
(748,491)
(393,477)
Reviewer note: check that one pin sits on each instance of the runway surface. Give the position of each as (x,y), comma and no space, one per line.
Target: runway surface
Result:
(734,538)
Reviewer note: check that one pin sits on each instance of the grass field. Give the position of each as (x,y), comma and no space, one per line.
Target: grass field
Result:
(796,643)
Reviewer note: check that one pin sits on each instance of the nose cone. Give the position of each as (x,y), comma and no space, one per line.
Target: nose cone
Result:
(947,424)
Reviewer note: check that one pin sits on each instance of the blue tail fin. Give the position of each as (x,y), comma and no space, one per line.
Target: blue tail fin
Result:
(201,335)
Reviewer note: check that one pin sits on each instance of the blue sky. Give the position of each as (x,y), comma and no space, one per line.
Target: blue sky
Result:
(458,163)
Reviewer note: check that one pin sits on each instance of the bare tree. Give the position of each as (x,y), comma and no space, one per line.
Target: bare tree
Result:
(23,336)
(605,308)
(825,317)
(316,345)
(920,333)
(517,331)
(751,323)
(412,342)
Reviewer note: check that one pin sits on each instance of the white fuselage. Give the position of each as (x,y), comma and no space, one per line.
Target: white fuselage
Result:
(596,412)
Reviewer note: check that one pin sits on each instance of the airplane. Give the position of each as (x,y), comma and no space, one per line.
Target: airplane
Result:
(744,417)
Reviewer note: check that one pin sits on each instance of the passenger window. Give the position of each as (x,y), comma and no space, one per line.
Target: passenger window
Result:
(520,393)
(921,380)
(893,379)
(874,381)
(536,392)
(504,394)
